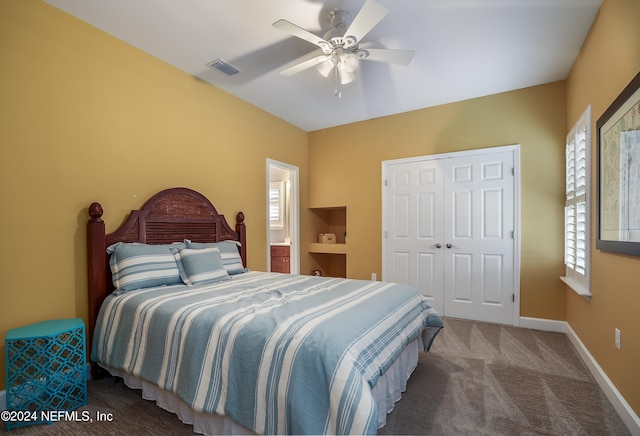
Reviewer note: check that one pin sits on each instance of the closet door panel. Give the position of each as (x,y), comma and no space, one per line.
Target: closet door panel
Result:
(450,224)
(479,195)
(414,220)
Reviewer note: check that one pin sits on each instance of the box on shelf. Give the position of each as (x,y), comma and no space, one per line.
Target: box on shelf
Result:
(327,238)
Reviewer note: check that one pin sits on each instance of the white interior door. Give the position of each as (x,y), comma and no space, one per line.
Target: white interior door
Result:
(479,237)
(415,235)
(450,228)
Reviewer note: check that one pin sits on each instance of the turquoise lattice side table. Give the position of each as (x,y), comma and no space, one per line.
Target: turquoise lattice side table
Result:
(46,369)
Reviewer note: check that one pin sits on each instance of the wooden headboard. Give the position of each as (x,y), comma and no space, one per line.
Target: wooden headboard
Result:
(169,216)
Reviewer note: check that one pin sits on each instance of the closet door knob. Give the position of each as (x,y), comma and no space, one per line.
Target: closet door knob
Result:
(449,245)
(438,245)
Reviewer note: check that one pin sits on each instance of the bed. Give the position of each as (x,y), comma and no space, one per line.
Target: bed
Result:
(175,312)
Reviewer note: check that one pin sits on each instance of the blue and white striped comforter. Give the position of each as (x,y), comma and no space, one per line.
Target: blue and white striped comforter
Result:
(278,353)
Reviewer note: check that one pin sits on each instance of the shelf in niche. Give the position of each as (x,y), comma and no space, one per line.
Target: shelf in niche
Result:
(328,248)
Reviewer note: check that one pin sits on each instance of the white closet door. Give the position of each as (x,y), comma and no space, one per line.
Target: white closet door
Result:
(414,238)
(478,237)
(449,232)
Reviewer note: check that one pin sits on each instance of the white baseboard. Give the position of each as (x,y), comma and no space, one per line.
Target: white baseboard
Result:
(627,414)
(548,325)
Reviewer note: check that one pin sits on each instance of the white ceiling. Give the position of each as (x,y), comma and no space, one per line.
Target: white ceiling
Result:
(463,49)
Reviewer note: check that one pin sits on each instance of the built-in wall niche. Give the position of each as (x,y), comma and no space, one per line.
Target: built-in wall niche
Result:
(331,259)
(331,264)
(330,220)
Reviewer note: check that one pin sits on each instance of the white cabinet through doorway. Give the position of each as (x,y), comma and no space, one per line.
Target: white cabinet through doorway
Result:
(449,231)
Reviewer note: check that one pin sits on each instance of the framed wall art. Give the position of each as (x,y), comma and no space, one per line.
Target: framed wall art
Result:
(618,174)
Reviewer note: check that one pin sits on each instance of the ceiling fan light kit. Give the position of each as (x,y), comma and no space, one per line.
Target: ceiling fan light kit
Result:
(341,45)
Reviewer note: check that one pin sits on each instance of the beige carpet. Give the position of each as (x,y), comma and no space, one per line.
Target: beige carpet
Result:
(479,379)
(488,379)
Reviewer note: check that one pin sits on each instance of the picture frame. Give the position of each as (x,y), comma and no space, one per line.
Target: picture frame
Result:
(618,174)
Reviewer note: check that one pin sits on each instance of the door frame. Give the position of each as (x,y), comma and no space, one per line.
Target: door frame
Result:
(294,214)
(515,149)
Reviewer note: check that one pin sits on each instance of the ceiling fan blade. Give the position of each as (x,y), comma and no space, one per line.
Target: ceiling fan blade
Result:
(370,15)
(303,66)
(298,31)
(400,57)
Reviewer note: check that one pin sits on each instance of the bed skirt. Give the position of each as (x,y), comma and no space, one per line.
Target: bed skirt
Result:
(386,393)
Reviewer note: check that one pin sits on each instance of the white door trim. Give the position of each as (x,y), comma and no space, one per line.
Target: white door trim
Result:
(294,207)
(515,148)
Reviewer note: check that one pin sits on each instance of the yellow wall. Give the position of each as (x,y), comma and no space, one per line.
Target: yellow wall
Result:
(345,169)
(609,59)
(345,165)
(77,105)
(85,117)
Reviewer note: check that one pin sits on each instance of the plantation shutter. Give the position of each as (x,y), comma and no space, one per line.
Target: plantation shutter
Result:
(276,204)
(576,206)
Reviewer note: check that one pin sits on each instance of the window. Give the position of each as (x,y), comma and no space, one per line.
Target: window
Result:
(276,204)
(577,214)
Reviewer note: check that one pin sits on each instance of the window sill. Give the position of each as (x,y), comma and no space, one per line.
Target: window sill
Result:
(578,288)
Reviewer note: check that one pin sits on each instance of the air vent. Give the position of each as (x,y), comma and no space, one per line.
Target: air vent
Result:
(221,65)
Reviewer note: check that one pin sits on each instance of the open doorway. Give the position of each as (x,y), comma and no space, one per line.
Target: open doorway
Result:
(283,218)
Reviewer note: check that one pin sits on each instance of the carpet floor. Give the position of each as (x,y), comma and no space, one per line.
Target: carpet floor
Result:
(478,379)
(489,379)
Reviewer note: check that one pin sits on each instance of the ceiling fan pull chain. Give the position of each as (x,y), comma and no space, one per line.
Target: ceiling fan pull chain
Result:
(338,82)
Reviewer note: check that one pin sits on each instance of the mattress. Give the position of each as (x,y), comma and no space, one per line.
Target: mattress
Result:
(276,353)
(387,392)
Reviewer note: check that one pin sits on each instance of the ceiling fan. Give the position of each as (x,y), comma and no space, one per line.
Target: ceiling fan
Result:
(341,45)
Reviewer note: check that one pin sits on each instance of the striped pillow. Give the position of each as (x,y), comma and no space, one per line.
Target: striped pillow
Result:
(231,259)
(136,265)
(200,266)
